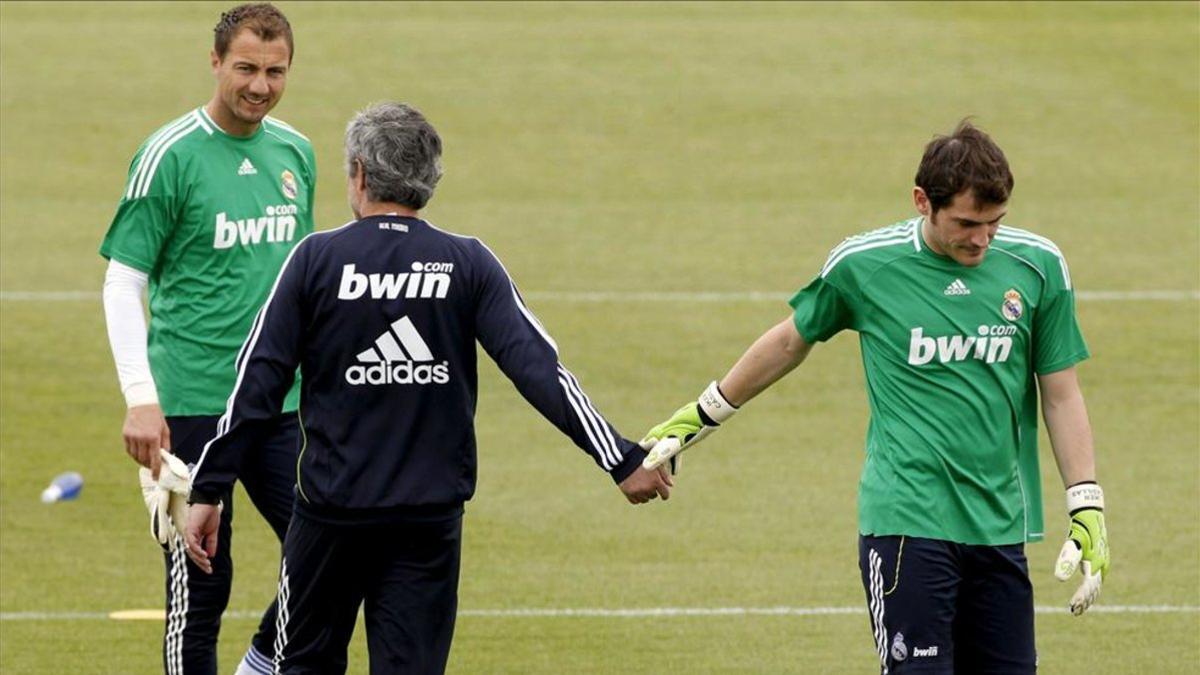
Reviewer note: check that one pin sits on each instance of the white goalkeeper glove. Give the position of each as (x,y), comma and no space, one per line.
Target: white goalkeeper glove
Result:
(1086,546)
(687,427)
(166,499)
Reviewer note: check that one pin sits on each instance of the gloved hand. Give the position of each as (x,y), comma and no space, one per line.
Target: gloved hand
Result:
(687,427)
(166,499)
(1086,546)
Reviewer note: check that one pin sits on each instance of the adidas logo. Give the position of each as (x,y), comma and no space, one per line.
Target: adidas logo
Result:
(247,169)
(398,357)
(957,287)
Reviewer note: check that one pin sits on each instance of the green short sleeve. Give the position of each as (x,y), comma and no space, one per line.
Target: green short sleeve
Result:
(144,220)
(138,232)
(1057,339)
(820,311)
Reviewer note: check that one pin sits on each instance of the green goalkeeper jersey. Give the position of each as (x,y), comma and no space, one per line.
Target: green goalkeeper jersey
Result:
(950,354)
(210,218)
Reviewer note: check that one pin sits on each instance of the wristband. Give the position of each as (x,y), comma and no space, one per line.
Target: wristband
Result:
(1085,495)
(714,405)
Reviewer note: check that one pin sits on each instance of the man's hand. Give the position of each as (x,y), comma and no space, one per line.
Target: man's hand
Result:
(145,433)
(201,534)
(644,485)
(166,499)
(687,427)
(1087,543)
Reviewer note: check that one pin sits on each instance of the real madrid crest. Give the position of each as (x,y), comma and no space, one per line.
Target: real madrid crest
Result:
(899,649)
(1011,308)
(288,183)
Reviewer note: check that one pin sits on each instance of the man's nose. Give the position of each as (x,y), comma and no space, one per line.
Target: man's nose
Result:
(259,85)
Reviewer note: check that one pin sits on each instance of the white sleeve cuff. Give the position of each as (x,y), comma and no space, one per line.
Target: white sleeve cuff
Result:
(140,393)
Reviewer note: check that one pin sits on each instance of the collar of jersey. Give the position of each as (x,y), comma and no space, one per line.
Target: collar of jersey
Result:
(218,131)
(391,216)
(945,260)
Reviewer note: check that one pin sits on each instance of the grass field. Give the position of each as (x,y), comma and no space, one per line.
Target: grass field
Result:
(624,149)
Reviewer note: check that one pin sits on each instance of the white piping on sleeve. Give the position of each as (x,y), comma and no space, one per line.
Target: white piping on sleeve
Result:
(607,447)
(135,177)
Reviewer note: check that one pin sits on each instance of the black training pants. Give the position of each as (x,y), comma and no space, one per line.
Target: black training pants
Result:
(947,608)
(195,600)
(407,576)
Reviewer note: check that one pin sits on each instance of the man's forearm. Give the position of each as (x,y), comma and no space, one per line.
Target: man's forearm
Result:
(773,355)
(1067,423)
(126,322)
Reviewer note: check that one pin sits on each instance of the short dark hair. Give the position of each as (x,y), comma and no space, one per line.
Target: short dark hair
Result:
(967,159)
(400,153)
(262,18)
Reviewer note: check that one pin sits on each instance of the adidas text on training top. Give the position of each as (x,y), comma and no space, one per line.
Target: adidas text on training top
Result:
(382,316)
(209,218)
(950,354)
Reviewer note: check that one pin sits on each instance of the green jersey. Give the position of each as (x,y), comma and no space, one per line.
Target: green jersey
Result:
(950,354)
(210,218)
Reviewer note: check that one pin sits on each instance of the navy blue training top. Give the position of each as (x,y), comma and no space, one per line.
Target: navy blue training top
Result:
(381,315)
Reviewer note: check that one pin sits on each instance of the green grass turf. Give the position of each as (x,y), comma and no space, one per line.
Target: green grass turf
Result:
(630,147)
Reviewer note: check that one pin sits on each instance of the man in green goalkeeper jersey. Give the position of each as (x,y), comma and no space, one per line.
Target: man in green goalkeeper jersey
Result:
(214,203)
(961,322)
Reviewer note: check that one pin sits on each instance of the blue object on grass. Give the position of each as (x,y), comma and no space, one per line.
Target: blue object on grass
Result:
(65,486)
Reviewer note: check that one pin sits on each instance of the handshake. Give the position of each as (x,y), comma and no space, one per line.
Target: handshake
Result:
(1085,550)
(663,443)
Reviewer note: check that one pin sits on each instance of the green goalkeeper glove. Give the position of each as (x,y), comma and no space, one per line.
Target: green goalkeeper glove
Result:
(166,499)
(1086,546)
(687,427)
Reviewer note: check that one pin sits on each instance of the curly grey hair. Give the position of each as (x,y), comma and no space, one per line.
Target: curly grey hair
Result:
(400,153)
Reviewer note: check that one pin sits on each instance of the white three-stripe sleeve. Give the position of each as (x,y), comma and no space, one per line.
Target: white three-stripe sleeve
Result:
(528,356)
(159,141)
(266,369)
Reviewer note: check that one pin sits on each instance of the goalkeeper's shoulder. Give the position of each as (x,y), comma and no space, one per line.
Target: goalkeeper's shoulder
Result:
(164,152)
(284,129)
(290,135)
(1034,250)
(172,132)
(863,253)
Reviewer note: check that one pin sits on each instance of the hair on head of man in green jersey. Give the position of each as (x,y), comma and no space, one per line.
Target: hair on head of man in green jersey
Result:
(966,160)
(261,18)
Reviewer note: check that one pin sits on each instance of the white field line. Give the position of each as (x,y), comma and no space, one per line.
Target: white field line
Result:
(773,296)
(636,613)
(48,296)
(655,296)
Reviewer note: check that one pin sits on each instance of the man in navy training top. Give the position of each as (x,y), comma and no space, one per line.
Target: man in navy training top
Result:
(381,315)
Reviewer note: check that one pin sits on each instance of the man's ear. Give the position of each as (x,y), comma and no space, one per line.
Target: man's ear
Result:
(921,201)
(360,175)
